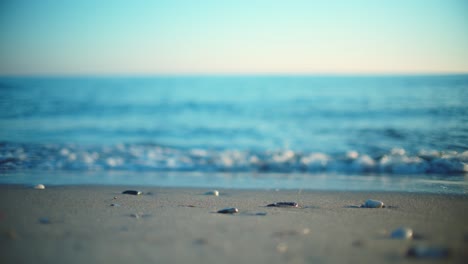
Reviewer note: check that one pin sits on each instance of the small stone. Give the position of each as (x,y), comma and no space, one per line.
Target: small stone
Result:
(132,192)
(228,211)
(115,205)
(373,204)
(115,198)
(283,204)
(214,193)
(39,187)
(402,233)
(426,252)
(44,220)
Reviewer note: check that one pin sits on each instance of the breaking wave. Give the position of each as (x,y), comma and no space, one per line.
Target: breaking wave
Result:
(151,157)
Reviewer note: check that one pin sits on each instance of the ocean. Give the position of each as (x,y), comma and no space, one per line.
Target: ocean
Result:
(406,133)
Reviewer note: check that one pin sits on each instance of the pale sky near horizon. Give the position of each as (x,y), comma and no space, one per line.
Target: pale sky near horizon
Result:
(233,37)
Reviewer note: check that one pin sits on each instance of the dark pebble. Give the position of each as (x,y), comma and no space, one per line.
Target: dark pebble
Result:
(228,211)
(132,192)
(283,204)
(44,220)
(424,252)
(115,205)
(200,241)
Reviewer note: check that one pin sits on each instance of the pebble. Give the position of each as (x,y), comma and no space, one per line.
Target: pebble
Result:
(115,205)
(132,192)
(44,220)
(39,187)
(373,204)
(283,204)
(228,211)
(402,233)
(426,252)
(214,193)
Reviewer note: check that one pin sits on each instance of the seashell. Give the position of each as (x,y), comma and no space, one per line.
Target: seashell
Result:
(228,211)
(426,252)
(132,192)
(373,204)
(214,192)
(283,204)
(402,233)
(39,187)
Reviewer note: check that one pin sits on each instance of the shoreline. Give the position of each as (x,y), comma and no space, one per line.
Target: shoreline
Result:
(446,184)
(76,224)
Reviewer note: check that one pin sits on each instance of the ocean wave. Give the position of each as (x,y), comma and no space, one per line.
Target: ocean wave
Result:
(151,157)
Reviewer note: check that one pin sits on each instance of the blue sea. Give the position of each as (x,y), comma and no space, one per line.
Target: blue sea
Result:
(405,133)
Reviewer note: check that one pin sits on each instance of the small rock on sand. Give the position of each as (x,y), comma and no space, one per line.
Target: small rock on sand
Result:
(373,204)
(283,204)
(132,192)
(214,193)
(402,233)
(228,211)
(426,252)
(44,220)
(39,187)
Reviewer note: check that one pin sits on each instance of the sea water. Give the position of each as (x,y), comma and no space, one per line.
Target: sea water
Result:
(325,132)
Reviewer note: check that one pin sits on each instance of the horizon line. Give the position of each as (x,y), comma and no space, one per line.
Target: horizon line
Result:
(229,74)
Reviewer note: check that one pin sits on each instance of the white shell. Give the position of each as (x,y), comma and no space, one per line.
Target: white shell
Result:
(402,233)
(214,192)
(39,187)
(373,204)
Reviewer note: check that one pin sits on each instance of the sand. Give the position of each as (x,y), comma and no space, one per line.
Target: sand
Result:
(77,224)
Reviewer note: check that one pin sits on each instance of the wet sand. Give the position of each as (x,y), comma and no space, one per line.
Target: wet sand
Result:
(78,224)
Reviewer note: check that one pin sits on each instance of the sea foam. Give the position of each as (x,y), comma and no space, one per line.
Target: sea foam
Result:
(150,157)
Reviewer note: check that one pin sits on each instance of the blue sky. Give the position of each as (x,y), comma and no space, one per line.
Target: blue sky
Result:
(233,37)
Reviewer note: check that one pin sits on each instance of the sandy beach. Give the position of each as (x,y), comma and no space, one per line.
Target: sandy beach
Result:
(99,224)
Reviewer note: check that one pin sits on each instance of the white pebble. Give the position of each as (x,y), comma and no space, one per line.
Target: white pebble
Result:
(402,233)
(373,204)
(214,192)
(39,187)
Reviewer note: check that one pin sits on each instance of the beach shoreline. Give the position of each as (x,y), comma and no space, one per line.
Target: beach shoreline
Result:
(95,224)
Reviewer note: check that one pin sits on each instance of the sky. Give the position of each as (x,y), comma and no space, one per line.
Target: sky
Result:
(88,37)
